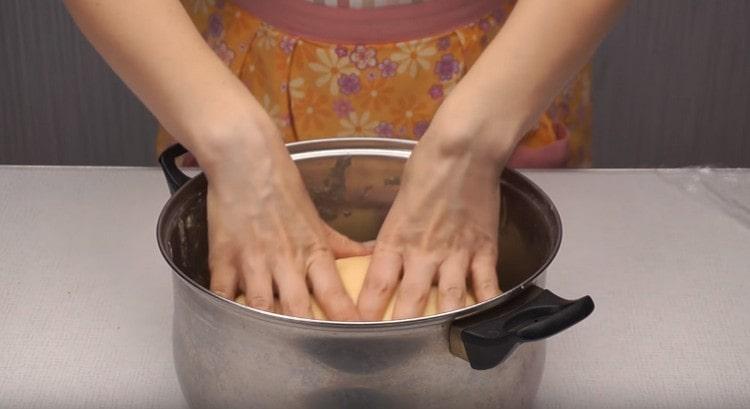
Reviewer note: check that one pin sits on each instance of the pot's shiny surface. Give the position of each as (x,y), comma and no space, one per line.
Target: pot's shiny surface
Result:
(231,356)
(228,359)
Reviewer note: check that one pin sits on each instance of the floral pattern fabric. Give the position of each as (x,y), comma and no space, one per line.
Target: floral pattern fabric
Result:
(317,90)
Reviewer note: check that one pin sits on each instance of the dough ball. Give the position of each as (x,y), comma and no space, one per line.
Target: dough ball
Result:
(353,271)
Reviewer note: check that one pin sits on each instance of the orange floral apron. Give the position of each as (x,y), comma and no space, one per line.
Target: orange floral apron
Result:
(314,84)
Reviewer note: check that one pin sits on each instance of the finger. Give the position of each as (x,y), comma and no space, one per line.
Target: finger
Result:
(329,291)
(380,283)
(452,282)
(343,246)
(484,274)
(223,279)
(257,283)
(414,290)
(293,293)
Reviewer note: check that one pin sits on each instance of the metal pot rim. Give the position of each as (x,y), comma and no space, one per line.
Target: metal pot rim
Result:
(396,148)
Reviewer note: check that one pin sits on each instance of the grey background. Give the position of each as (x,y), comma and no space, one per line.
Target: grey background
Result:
(671,88)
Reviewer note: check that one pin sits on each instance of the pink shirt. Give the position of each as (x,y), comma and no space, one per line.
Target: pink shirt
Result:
(364,4)
(346,22)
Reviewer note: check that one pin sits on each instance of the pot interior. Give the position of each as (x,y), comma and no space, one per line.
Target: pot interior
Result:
(353,190)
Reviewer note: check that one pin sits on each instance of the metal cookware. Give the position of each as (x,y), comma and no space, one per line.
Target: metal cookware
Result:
(231,356)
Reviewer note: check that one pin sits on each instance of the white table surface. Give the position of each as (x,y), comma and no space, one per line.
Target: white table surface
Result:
(86,301)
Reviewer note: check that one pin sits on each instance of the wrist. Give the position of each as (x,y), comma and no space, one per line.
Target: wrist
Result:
(476,117)
(475,132)
(448,158)
(216,139)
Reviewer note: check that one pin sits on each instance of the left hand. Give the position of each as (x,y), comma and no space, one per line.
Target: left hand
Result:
(443,224)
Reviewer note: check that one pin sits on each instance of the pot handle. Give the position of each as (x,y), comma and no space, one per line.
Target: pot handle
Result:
(167,161)
(486,339)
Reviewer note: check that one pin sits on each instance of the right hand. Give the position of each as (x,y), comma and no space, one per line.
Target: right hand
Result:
(264,231)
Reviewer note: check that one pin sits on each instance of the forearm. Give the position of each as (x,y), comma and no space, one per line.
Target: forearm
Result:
(154,47)
(540,47)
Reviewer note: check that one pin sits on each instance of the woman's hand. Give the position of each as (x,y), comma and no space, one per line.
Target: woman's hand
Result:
(263,228)
(444,221)
(443,225)
(264,231)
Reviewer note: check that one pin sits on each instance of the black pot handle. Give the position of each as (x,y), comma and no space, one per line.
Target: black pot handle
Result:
(486,339)
(167,161)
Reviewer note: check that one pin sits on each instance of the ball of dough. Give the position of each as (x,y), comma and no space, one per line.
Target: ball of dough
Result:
(353,271)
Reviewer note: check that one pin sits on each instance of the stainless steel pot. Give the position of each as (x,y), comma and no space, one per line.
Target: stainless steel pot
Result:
(231,356)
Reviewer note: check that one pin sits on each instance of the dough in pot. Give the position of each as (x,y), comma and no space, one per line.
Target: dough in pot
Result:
(353,271)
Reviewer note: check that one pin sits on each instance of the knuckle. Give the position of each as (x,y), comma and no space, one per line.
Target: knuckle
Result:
(222,284)
(343,311)
(318,259)
(451,291)
(219,267)
(222,292)
(296,308)
(220,254)
(414,293)
(320,251)
(488,252)
(260,302)
(486,285)
(331,293)
(380,286)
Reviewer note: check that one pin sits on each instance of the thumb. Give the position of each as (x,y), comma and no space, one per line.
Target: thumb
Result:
(343,246)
